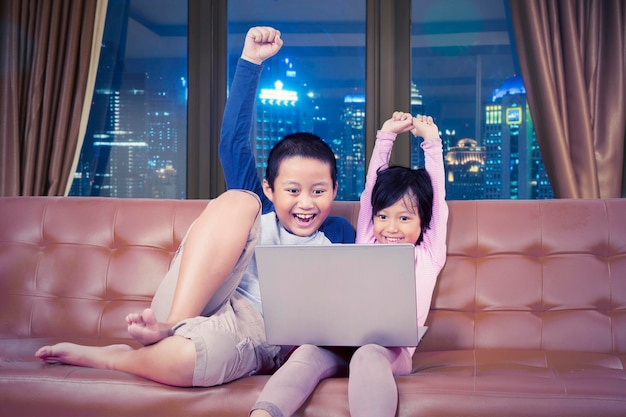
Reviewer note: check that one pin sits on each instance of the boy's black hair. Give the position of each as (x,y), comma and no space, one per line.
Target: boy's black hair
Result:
(394,183)
(304,145)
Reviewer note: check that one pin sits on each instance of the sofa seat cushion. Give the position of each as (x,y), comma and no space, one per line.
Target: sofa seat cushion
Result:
(492,382)
(465,382)
(39,389)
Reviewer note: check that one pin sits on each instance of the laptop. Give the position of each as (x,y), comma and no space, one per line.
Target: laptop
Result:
(339,295)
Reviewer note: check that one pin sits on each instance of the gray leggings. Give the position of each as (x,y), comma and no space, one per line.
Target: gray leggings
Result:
(372,388)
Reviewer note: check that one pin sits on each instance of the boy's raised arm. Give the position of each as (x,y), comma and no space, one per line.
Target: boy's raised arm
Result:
(235,152)
(262,42)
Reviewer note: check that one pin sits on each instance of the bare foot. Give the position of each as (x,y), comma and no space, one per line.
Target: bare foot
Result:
(145,328)
(79,355)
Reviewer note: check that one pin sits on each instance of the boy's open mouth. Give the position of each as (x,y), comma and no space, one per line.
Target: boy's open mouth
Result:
(304,218)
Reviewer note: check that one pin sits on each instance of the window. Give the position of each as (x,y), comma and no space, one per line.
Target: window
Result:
(316,83)
(135,144)
(464,74)
(462,71)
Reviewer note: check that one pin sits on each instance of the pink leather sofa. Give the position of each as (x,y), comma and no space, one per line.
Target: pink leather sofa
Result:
(528,317)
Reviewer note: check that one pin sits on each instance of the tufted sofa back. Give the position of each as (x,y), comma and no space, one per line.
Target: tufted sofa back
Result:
(544,275)
(74,267)
(547,275)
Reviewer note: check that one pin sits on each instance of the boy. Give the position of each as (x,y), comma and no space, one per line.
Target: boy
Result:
(205,326)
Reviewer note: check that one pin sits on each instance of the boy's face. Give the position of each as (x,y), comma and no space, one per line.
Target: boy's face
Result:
(398,223)
(303,194)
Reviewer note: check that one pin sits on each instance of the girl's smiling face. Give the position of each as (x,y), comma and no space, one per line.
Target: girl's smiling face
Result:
(303,194)
(398,223)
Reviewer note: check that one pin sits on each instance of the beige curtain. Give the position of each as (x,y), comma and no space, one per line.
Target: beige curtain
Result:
(99,21)
(572,60)
(46,50)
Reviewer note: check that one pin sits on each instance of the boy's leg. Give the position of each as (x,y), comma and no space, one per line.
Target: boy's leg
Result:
(201,278)
(372,389)
(171,361)
(205,351)
(291,385)
(212,249)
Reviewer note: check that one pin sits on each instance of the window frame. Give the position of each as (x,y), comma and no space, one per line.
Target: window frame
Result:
(207,72)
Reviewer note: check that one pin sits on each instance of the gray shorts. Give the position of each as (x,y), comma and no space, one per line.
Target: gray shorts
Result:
(230,344)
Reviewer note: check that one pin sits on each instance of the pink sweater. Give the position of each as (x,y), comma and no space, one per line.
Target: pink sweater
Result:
(430,254)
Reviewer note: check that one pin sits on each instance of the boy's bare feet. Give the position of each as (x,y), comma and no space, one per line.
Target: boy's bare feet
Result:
(72,354)
(145,328)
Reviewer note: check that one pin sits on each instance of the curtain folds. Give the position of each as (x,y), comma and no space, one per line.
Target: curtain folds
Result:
(572,60)
(46,50)
(98,31)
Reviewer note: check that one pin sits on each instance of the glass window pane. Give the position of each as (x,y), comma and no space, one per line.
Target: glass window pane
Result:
(316,83)
(135,144)
(464,75)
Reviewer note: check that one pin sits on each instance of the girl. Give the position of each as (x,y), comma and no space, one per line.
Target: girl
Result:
(398,205)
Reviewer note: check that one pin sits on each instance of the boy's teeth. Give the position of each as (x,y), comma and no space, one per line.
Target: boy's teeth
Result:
(304,217)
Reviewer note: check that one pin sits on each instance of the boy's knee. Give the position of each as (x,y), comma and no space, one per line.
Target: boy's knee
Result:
(240,202)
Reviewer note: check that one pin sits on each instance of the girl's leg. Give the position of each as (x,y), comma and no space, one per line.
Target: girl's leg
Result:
(202,275)
(372,389)
(291,385)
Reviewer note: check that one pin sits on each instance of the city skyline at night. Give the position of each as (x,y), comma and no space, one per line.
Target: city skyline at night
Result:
(136,137)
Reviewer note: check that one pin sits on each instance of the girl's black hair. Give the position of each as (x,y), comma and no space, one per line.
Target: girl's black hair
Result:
(394,183)
(304,145)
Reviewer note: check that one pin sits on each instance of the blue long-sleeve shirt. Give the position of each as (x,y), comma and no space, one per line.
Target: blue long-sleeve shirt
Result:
(240,172)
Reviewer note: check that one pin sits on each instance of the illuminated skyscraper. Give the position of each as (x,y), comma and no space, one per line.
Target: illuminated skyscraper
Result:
(166,126)
(465,164)
(514,168)
(350,148)
(278,114)
(292,106)
(133,145)
(417,107)
(117,162)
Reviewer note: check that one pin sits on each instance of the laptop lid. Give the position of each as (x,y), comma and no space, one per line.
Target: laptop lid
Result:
(339,295)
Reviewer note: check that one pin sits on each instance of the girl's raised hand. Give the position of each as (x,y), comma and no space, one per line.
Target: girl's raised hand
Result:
(400,122)
(425,127)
